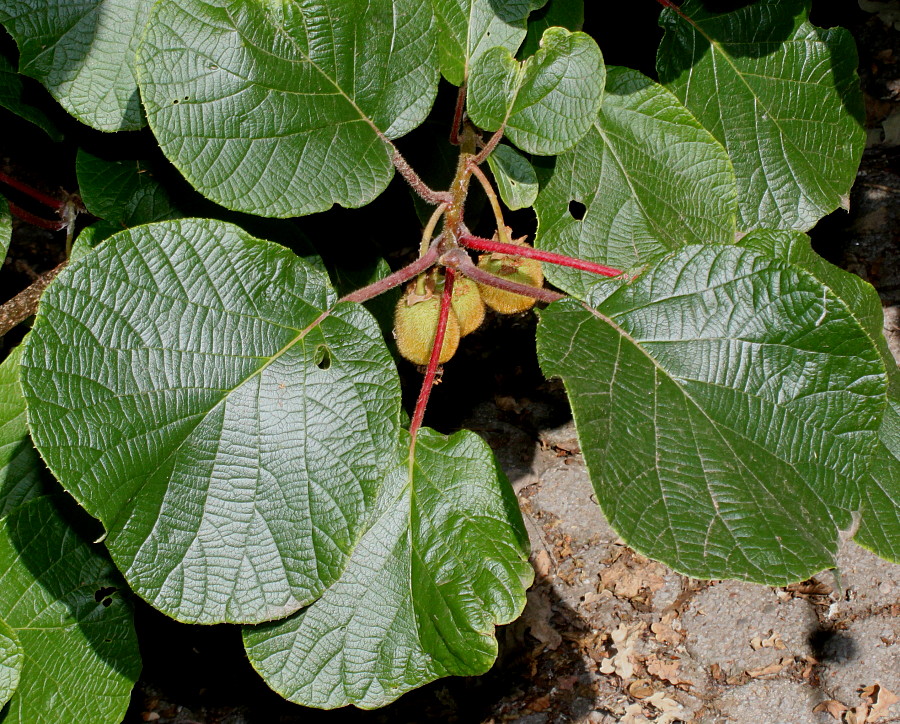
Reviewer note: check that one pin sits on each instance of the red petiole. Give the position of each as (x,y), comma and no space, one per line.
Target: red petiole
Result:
(480,244)
(34,220)
(423,263)
(431,371)
(38,196)
(459,259)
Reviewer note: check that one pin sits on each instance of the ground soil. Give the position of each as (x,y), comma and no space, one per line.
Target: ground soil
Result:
(607,636)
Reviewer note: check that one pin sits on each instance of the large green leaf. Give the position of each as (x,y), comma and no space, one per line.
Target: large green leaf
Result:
(83,52)
(858,295)
(516,180)
(468,28)
(19,463)
(567,14)
(10,663)
(780,94)
(879,527)
(176,388)
(650,179)
(11,89)
(58,595)
(281,109)
(122,192)
(548,101)
(727,404)
(444,560)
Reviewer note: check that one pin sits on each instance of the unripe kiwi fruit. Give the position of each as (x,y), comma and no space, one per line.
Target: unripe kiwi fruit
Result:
(466,302)
(515,269)
(415,326)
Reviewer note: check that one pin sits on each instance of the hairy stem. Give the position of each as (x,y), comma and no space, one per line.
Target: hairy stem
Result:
(25,303)
(431,371)
(39,221)
(43,198)
(412,178)
(458,114)
(427,233)
(495,203)
(458,259)
(489,146)
(481,244)
(392,280)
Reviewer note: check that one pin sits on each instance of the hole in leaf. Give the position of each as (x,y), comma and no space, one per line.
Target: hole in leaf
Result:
(102,595)
(175,102)
(322,357)
(577,210)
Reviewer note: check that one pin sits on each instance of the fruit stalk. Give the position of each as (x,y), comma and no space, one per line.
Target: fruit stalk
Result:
(502,230)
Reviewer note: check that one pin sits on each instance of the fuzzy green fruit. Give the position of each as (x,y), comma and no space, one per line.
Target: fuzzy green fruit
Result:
(515,269)
(415,325)
(467,303)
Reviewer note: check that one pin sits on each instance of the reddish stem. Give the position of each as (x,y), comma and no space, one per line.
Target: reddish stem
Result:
(28,217)
(458,259)
(458,114)
(672,6)
(43,198)
(477,242)
(424,262)
(489,146)
(431,371)
(416,183)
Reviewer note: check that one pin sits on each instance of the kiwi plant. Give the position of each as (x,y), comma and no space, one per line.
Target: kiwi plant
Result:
(233,425)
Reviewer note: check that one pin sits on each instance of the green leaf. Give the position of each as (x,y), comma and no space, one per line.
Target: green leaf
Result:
(176,388)
(20,477)
(516,180)
(567,14)
(283,109)
(650,178)
(879,528)
(858,295)
(83,52)
(548,101)
(11,98)
(727,404)
(780,94)
(443,560)
(91,236)
(59,596)
(10,663)
(123,192)
(468,28)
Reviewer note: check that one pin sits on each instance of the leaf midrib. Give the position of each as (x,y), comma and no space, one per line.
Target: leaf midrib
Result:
(713,423)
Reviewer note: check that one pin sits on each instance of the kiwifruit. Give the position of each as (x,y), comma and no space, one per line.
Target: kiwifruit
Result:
(515,269)
(415,325)
(466,301)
